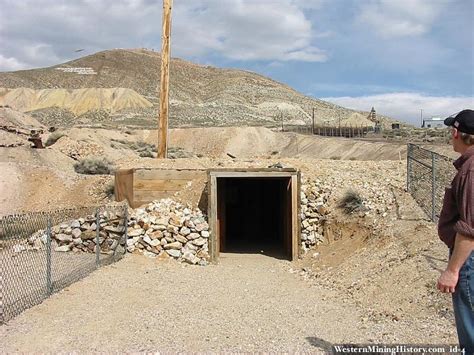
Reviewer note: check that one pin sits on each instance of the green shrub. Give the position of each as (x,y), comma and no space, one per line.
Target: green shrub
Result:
(53,138)
(94,166)
(352,202)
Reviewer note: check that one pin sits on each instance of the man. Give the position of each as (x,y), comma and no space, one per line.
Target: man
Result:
(456,229)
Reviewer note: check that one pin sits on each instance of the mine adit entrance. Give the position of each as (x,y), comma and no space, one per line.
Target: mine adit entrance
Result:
(254,211)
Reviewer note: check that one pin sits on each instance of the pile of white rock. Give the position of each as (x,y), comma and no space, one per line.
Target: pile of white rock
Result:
(80,235)
(314,212)
(168,228)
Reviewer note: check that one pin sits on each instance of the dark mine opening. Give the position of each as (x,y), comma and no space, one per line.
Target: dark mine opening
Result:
(255,215)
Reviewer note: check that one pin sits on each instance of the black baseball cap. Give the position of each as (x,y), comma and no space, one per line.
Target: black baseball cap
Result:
(462,121)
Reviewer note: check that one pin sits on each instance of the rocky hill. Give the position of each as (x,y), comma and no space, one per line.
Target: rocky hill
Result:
(122,86)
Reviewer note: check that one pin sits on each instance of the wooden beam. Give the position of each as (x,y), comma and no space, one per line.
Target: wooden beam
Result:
(295,225)
(157,174)
(165,76)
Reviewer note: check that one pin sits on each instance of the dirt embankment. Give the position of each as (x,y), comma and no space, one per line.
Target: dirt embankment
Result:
(46,177)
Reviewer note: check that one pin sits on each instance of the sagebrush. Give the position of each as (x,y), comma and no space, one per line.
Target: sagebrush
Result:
(352,202)
(94,166)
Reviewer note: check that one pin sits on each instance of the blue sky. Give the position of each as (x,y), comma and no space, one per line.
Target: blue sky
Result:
(397,55)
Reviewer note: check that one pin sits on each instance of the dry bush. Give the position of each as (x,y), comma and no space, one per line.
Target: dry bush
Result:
(110,189)
(146,153)
(94,166)
(352,202)
(53,138)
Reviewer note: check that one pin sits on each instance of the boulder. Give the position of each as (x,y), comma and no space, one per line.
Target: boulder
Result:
(193,236)
(174,253)
(156,235)
(75,224)
(184,231)
(174,245)
(63,248)
(199,241)
(190,258)
(135,232)
(63,238)
(155,243)
(180,238)
(76,233)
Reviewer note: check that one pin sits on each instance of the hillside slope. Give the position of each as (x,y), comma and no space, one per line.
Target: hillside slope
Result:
(199,95)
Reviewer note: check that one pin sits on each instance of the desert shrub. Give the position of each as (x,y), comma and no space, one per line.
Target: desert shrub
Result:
(275,152)
(335,158)
(93,166)
(53,138)
(177,152)
(110,189)
(146,153)
(352,158)
(144,150)
(352,202)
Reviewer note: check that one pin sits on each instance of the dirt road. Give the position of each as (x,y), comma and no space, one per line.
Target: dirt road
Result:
(246,303)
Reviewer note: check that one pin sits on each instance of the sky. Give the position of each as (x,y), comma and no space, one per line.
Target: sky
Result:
(399,56)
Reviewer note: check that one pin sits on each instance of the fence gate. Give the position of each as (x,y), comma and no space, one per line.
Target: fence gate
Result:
(428,174)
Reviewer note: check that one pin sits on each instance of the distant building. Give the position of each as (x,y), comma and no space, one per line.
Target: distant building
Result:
(433,122)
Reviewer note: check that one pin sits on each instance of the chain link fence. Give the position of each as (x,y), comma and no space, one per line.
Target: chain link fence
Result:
(44,252)
(428,174)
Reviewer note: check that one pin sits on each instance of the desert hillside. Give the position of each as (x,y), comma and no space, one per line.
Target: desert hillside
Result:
(121,86)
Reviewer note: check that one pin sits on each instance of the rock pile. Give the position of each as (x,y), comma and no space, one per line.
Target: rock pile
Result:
(80,235)
(314,211)
(166,227)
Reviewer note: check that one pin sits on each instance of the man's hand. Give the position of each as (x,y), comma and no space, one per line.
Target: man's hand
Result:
(447,281)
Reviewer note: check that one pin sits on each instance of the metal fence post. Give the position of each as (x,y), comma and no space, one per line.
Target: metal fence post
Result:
(49,284)
(433,187)
(97,236)
(409,155)
(126,229)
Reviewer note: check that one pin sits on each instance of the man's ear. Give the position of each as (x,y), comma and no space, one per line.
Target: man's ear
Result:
(455,133)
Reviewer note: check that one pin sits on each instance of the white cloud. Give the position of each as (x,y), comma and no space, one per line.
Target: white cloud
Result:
(406,106)
(399,18)
(10,64)
(276,30)
(246,30)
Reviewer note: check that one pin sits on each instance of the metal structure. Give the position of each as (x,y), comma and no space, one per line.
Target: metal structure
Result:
(428,174)
(32,267)
(330,131)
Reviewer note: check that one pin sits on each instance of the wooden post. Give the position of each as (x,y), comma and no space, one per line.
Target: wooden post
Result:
(165,77)
(312,131)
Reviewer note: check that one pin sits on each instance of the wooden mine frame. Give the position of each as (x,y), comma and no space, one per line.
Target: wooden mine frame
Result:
(293,189)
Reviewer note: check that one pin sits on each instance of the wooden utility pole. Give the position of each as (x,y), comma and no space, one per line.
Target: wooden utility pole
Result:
(312,129)
(165,80)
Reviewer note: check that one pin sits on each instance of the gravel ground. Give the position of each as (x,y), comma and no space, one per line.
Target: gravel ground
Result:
(246,303)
